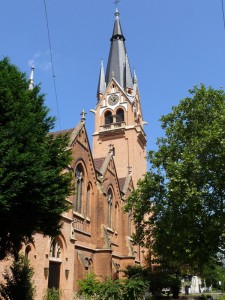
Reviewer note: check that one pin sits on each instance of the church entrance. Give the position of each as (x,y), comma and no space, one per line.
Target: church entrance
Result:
(54,275)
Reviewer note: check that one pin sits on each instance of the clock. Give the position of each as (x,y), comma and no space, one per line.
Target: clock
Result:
(113,99)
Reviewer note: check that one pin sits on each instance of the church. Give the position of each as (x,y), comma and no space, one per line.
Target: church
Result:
(96,233)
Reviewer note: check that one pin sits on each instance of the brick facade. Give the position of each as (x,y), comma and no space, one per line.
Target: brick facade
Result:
(96,233)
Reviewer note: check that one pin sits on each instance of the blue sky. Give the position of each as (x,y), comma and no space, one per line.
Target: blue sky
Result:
(172,44)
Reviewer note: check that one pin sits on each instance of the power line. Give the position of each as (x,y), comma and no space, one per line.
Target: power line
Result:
(53,72)
(223,14)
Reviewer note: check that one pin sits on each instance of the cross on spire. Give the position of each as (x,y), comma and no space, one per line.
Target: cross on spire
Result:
(116,2)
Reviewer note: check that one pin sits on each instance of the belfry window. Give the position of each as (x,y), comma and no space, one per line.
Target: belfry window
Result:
(120,115)
(109,208)
(79,182)
(108,117)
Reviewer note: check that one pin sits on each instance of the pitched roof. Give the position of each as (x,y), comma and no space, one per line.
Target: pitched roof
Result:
(98,162)
(62,132)
(121,182)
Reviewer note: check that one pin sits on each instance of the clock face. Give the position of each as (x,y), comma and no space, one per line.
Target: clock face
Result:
(113,99)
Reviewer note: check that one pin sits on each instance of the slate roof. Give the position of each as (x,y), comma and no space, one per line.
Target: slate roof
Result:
(62,132)
(121,182)
(98,162)
(118,65)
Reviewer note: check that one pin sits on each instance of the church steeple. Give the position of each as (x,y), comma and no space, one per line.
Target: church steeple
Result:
(118,115)
(118,63)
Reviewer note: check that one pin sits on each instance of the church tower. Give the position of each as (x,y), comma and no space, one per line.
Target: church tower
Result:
(118,115)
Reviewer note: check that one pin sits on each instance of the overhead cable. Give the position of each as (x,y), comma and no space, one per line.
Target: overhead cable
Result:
(53,72)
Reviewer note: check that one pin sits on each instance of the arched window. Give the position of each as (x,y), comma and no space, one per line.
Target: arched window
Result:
(55,250)
(120,115)
(79,182)
(108,117)
(109,208)
(88,201)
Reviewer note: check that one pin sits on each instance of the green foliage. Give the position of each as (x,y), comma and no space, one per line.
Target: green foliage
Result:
(18,281)
(52,294)
(136,271)
(88,286)
(134,288)
(180,202)
(131,288)
(213,274)
(110,289)
(174,283)
(220,297)
(32,185)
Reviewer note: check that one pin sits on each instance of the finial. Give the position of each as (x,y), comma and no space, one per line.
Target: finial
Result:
(31,80)
(113,74)
(83,115)
(117,12)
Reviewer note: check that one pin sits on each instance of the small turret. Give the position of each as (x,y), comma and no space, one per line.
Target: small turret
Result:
(101,83)
(31,80)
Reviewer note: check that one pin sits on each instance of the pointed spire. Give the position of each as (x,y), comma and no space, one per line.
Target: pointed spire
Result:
(117,30)
(135,77)
(118,61)
(101,82)
(31,80)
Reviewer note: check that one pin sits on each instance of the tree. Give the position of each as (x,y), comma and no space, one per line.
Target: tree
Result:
(18,281)
(178,207)
(33,186)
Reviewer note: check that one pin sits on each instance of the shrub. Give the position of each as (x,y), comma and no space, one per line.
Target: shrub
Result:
(52,294)
(88,286)
(110,289)
(134,288)
(18,281)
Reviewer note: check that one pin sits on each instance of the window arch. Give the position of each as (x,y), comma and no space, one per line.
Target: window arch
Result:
(55,249)
(120,115)
(79,187)
(109,208)
(108,117)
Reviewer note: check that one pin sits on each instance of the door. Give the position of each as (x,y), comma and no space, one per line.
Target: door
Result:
(54,275)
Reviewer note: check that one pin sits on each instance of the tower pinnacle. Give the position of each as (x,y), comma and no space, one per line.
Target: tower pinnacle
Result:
(101,82)
(31,80)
